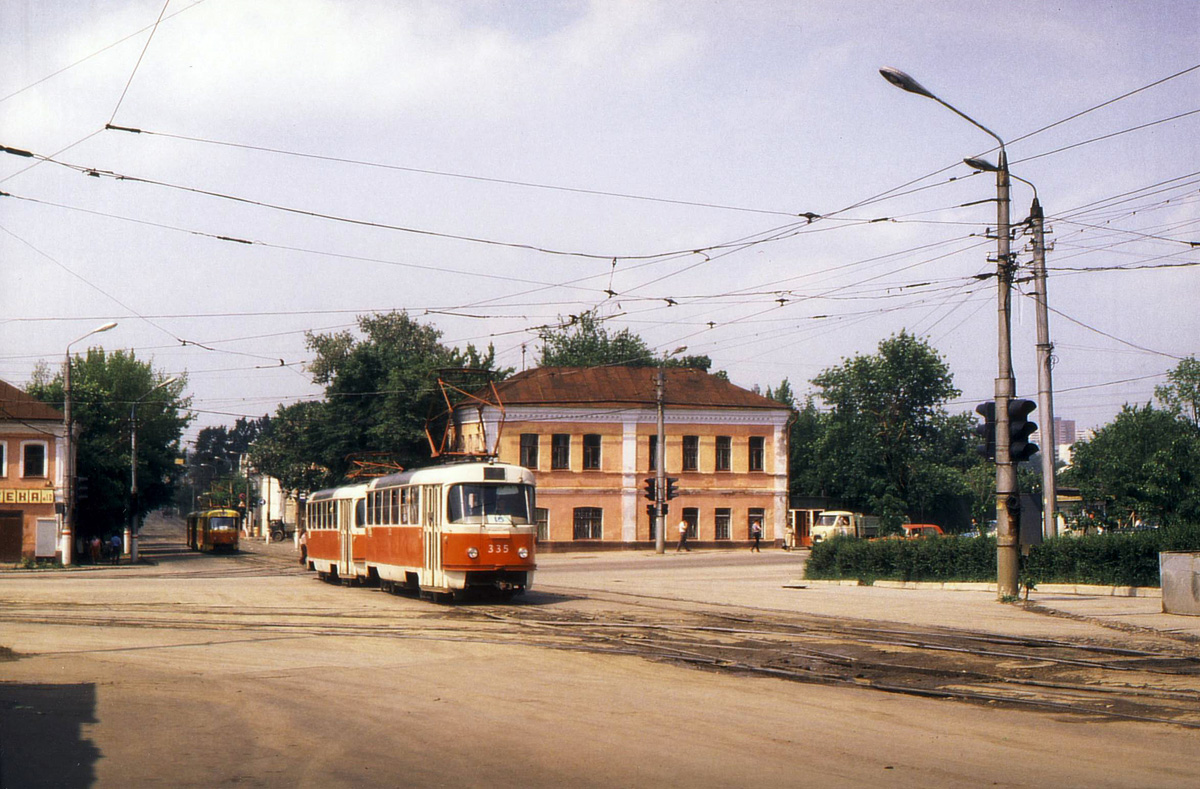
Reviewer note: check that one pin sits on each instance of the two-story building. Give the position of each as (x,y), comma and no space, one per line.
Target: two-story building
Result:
(590,435)
(31,477)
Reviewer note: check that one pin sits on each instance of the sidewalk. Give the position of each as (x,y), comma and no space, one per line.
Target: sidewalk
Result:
(773,581)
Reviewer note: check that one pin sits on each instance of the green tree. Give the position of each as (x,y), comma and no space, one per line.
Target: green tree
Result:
(887,443)
(104,389)
(1181,393)
(290,446)
(214,464)
(582,341)
(380,390)
(1146,461)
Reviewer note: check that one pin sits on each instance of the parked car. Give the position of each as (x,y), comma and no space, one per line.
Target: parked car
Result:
(914,530)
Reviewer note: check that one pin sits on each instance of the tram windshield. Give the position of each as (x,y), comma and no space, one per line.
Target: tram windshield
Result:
(222,523)
(476,502)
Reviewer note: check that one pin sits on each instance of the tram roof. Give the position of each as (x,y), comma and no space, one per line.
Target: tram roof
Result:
(463,471)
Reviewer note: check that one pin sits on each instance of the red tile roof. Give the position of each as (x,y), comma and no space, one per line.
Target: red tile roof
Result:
(592,386)
(15,404)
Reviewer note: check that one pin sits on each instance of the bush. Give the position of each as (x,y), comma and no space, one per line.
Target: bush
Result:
(926,559)
(1115,559)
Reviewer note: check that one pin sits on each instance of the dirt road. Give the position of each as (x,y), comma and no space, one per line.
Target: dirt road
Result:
(243,670)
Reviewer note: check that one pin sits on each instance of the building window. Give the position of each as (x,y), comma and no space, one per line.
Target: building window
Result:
(757,453)
(721,521)
(33,459)
(3,459)
(653,453)
(756,515)
(529,450)
(541,516)
(589,523)
(724,453)
(691,453)
(591,452)
(560,451)
(691,516)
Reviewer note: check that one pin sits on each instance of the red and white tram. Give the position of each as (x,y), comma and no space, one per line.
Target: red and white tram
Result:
(442,529)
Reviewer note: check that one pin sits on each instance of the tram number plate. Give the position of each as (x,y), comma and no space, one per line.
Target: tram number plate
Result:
(493,548)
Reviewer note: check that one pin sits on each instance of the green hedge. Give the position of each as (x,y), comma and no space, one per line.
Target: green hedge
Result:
(1120,559)
(926,559)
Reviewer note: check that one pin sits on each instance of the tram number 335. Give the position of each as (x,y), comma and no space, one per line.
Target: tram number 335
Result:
(493,548)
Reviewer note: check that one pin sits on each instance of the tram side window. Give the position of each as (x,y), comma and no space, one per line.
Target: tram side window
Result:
(412,507)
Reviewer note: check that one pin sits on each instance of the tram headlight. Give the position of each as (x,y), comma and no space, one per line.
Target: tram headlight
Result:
(523,553)
(473,553)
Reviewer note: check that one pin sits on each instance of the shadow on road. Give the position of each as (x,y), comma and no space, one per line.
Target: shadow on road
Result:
(41,735)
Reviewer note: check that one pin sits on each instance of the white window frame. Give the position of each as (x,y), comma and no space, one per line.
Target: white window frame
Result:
(3,460)
(45,445)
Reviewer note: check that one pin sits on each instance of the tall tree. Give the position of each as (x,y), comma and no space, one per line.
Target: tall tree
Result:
(217,455)
(887,443)
(104,389)
(1181,393)
(380,388)
(582,341)
(1146,461)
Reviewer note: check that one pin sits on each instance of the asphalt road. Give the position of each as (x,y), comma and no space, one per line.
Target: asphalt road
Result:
(246,671)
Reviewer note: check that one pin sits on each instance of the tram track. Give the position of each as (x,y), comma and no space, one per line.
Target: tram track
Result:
(1137,679)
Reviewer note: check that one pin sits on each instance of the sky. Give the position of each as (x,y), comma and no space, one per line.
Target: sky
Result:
(494,167)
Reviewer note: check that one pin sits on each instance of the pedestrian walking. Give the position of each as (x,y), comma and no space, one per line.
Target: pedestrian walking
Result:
(756,533)
(683,535)
(115,547)
(94,548)
(303,546)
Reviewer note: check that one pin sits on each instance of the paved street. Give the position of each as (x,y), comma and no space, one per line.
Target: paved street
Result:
(617,670)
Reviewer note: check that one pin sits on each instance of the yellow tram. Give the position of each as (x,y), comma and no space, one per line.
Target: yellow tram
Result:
(213,530)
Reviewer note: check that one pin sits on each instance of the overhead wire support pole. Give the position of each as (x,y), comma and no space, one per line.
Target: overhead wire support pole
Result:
(1045,361)
(1007,503)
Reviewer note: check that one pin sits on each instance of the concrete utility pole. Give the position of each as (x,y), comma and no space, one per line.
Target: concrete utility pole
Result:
(1008,553)
(1045,354)
(660,455)
(660,463)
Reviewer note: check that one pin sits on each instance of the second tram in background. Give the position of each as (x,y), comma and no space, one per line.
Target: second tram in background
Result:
(213,530)
(443,529)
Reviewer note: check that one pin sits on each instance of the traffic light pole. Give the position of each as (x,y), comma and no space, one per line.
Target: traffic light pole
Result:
(660,467)
(1007,504)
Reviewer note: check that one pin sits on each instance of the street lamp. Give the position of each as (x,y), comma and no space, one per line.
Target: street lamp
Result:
(69,450)
(1045,352)
(131,530)
(660,464)
(1007,503)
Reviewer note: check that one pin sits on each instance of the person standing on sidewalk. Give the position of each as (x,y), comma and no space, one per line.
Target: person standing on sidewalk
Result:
(756,533)
(683,535)
(115,547)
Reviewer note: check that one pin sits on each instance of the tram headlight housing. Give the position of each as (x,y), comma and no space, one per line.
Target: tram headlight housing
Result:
(523,553)
(473,553)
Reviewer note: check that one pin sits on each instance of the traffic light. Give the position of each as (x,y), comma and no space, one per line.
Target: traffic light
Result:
(81,488)
(651,489)
(671,491)
(987,429)
(1019,430)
